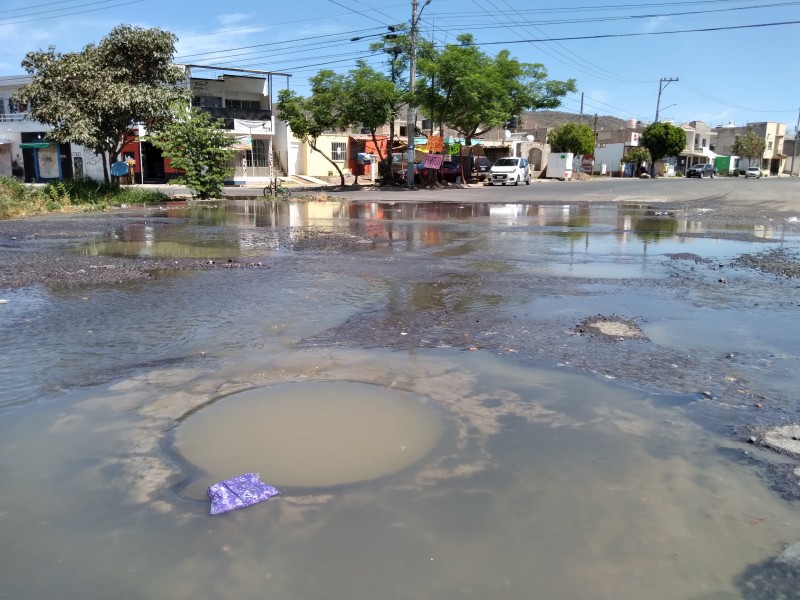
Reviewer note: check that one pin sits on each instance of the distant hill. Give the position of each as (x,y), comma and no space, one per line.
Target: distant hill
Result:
(551,118)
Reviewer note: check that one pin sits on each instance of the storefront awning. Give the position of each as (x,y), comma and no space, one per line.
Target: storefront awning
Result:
(34,145)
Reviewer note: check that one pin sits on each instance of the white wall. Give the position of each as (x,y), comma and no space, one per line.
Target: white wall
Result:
(5,160)
(610,155)
(92,163)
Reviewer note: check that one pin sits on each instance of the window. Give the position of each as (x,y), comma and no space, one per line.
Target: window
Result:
(243,104)
(769,145)
(257,157)
(207,101)
(339,151)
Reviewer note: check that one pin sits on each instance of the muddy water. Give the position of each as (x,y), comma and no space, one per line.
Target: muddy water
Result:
(528,476)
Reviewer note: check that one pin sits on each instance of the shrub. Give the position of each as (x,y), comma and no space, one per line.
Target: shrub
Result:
(18,199)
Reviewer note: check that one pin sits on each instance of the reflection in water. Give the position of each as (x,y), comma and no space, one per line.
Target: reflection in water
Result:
(237,228)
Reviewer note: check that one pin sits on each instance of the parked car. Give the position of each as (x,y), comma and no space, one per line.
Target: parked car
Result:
(511,169)
(481,165)
(450,171)
(752,172)
(400,177)
(704,170)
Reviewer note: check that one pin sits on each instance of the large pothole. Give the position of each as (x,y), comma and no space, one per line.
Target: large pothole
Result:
(308,435)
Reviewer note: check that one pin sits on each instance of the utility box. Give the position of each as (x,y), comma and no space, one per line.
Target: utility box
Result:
(559,165)
(726,164)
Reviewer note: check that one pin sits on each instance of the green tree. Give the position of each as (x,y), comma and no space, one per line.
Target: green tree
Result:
(325,110)
(94,96)
(197,146)
(396,47)
(637,156)
(571,137)
(749,146)
(662,140)
(371,99)
(472,92)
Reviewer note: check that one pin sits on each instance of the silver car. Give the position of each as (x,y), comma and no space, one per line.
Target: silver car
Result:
(511,169)
(752,172)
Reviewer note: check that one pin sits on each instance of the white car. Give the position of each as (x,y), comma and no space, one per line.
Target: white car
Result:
(511,169)
(752,172)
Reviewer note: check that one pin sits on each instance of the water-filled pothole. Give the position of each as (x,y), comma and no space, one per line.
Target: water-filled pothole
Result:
(313,434)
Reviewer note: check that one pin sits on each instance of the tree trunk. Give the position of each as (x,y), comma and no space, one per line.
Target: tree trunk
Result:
(105,167)
(328,158)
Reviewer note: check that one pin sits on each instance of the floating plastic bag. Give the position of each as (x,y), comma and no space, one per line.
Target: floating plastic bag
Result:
(239,492)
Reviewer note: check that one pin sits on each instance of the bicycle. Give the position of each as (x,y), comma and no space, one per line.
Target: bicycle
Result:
(277,191)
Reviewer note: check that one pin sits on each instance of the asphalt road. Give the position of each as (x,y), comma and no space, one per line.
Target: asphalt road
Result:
(781,193)
(778,195)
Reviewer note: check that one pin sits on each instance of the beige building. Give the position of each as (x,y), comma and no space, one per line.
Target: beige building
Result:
(773,161)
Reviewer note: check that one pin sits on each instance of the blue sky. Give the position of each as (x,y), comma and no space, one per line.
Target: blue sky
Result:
(741,72)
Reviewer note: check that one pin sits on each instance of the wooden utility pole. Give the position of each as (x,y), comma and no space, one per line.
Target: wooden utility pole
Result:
(662,83)
(796,141)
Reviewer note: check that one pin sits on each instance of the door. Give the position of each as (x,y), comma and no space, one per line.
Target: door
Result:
(77,167)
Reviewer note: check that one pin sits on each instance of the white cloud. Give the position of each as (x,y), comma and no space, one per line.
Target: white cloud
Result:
(653,24)
(233,19)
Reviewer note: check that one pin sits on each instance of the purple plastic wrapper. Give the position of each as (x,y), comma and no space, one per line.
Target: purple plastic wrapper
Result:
(239,492)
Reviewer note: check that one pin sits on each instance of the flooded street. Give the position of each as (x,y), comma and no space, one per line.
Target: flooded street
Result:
(456,400)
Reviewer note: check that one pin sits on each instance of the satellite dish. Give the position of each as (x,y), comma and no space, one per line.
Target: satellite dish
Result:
(529,137)
(507,133)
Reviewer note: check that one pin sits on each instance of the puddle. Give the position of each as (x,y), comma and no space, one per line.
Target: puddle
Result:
(308,435)
(581,234)
(518,473)
(550,480)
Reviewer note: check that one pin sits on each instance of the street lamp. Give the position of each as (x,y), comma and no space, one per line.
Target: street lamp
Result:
(411,117)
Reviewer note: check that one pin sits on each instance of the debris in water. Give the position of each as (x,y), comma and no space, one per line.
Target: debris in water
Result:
(239,492)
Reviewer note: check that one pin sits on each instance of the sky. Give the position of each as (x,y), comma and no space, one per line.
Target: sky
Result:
(731,60)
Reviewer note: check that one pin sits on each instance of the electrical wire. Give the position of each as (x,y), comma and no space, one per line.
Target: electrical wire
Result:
(80,12)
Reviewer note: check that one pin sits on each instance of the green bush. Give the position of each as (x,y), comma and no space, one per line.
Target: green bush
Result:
(18,199)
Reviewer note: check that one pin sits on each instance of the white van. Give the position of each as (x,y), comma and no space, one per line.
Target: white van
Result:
(511,169)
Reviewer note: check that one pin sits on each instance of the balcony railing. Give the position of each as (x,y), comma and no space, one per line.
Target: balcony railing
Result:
(239,113)
(11,117)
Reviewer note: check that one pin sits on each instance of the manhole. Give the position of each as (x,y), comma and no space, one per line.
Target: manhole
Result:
(313,434)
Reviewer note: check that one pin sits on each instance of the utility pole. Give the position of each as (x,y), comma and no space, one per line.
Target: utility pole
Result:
(796,141)
(581,121)
(662,83)
(411,116)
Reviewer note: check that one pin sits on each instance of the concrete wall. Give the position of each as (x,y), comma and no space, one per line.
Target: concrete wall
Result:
(317,165)
(610,155)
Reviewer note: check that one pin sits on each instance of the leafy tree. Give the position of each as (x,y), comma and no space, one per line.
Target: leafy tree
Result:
(637,156)
(94,96)
(749,146)
(571,137)
(324,110)
(472,92)
(371,99)
(662,140)
(198,147)
(396,46)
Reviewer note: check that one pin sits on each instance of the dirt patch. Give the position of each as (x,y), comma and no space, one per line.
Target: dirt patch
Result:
(612,328)
(784,439)
(776,261)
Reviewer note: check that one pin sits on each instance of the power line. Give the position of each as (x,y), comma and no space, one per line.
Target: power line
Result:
(644,33)
(80,12)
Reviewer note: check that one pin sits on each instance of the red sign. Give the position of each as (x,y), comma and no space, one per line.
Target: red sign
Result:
(433,161)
